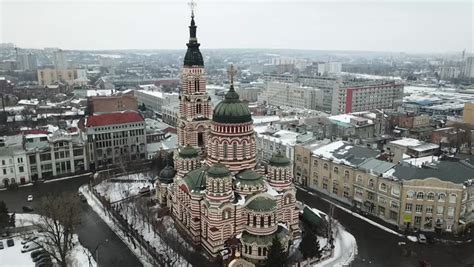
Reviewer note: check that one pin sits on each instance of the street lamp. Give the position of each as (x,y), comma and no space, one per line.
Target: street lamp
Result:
(96,250)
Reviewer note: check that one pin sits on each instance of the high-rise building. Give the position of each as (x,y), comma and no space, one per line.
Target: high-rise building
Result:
(292,95)
(59,60)
(468,70)
(27,62)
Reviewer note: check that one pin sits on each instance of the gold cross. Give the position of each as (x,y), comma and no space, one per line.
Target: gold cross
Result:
(192,4)
(231,73)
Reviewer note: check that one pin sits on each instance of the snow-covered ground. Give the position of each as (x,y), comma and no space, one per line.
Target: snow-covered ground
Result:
(120,190)
(97,207)
(12,256)
(345,249)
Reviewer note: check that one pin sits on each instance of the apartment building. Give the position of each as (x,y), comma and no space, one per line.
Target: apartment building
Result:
(67,76)
(115,138)
(292,95)
(57,154)
(416,194)
(155,100)
(114,103)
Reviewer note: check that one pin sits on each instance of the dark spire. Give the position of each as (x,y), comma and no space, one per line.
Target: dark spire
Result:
(193,56)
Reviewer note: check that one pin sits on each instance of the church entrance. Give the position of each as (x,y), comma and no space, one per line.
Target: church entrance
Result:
(200,139)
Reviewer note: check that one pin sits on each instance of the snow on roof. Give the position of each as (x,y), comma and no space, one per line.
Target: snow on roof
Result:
(284,137)
(345,118)
(28,102)
(419,162)
(265,119)
(271,191)
(407,142)
(102,92)
(326,150)
(152,93)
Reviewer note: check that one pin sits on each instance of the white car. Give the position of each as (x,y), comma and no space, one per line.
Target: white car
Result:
(30,247)
(29,198)
(422,239)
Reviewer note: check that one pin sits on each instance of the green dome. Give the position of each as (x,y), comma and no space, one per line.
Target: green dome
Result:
(248,177)
(188,152)
(262,204)
(196,179)
(279,159)
(167,174)
(218,170)
(232,109)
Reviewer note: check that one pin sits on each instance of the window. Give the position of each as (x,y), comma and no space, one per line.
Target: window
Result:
(417,220)
(326,166)
(394,205)
(336,170)
(370,196)
(315,163)
(429,209)
(370,183)
(419,208)
(4,171)
(358,193)
(382,201)
(410,194)
(259,251)
(440,210)
(20,160)
(346,175)
(441,197)
(381,211)
(393,215)
(452,198)
(408,206)
(359,179)
(225,151)
(419,196)
(450,212)
(21,169)
(430,196)
(383,187)
(234,150)
(334,189)
(395,191)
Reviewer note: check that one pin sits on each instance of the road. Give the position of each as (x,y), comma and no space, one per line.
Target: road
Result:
(377,247)
(92,231)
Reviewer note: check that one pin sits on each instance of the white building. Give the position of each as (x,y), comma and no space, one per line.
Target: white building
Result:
(59,60)
(57,154)
(13,162)
(292,95)
(27,61)
(329,68)
(469,68)
(155,100)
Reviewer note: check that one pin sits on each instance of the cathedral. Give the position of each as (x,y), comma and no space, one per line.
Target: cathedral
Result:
(216,193)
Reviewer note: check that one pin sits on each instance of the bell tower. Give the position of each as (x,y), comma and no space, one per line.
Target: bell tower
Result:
(195,110)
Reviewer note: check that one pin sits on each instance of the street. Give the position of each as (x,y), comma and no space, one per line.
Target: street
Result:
(92,231)
(377,247)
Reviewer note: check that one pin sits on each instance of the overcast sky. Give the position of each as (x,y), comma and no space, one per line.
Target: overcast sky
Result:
(409,26)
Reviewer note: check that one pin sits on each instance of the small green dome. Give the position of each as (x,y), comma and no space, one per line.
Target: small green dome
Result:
(232,109)
(167,174)
(279,159)
(262,204)
(218,170)
(248,177)
(196,179)
(188,152)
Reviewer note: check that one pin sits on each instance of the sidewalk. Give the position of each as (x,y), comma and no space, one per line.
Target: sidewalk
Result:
(377,222)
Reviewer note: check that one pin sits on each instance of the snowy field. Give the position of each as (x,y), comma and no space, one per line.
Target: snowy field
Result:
(12,256)
(117,191)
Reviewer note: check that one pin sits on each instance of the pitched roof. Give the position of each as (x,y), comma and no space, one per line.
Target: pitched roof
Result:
(113,118)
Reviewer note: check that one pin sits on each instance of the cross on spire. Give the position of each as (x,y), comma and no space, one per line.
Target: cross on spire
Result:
(192,4)
(231,73)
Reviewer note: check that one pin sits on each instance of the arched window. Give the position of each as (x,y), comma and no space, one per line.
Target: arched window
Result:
(383,187)
(410,194)
(198,108)
(269,220)
(279,174)
(226,214)
(264,251)
(254,220)
(346,174)
(234,150)
(359,179)
(244,150)
(326,166)
(216,149)
(262,221)
(248,218)
(441,197)
(371,183)
(196,85)
(336,170)
(452,198)
(259,251)
(419,195)
(430,196)
(225,151)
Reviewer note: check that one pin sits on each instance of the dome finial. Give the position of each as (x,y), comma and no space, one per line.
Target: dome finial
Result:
(192,4)
(231,71)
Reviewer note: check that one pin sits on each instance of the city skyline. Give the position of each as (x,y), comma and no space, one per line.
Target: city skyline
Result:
(386,26)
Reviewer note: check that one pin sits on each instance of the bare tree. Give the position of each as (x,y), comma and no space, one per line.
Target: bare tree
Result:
(59,217)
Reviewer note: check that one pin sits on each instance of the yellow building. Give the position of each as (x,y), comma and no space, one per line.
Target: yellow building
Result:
(419,193)
(52,76)
(468,113)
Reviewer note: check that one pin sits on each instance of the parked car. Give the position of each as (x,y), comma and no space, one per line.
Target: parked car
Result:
(30,247)
(27,208)
(422,238)
(29,198)
(1,244)
(10,242)
(37,252)
(28,239)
